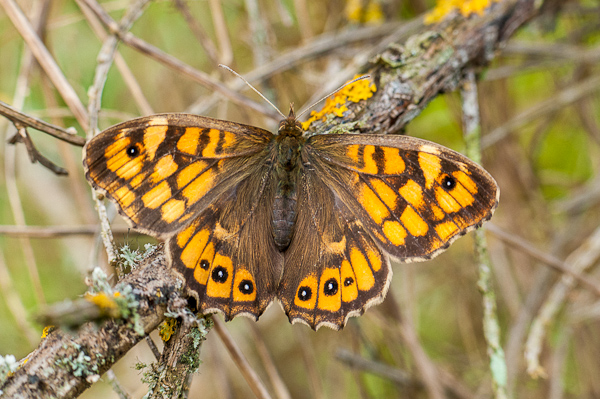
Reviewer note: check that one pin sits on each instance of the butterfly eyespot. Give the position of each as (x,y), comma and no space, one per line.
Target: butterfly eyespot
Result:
(448,182)
(331,287)
(133,150)
(304,293)
(219,274)
(204,264)
(246,287)
(348,281)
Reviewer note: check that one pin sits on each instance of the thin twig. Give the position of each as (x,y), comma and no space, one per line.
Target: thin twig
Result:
(130,81)
(559,364)
(258,33)
(253,380)
(310,364)
(544,257)
(542,56)
(14,304)
(60,133)
(105,58)
(383,370)
(221,32)
(116,385)
(552,105)
(404,316)
(451,386)
(491,327)
(320,46)
(198,31)
(22,136)
(153,347)
(303,16)
(57,231)
(279,386)
(10,158)
(47,62)
(166,59)
(579,260)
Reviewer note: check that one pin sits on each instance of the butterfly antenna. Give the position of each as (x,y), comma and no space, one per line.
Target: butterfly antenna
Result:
(253,88)
(333,92)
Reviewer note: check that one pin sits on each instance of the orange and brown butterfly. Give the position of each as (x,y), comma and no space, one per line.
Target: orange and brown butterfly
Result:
(250,217)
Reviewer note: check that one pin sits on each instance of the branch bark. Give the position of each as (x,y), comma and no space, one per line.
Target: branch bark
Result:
(64,364)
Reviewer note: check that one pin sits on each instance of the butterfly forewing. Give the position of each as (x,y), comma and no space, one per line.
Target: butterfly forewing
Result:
(164,169)
(414,197)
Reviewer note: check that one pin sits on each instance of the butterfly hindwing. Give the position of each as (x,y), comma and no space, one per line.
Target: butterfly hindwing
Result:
(162,170)
(227,256)
(414,197)
(333,268)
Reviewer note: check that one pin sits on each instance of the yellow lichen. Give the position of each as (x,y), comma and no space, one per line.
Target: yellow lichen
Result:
(444,8)
(336,104)
(167,329)
(106,303)
(47,330)
(358,13)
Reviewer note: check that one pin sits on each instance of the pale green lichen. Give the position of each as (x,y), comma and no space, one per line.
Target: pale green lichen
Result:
(80,363)
(154,373)
(130,258)
(8,365)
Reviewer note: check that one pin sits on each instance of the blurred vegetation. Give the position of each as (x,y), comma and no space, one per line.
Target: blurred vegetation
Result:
(543,148)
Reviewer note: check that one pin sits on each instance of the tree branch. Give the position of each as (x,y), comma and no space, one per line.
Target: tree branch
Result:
(408,76)
(64,365)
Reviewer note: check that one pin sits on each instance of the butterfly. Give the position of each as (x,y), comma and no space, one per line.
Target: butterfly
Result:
(312,221)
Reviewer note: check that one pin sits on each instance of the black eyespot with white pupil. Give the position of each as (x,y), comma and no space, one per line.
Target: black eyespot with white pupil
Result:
(331,287)
(304,293)
(133,151)
(219,274)
(448,182)
(204,264)
(246,287)
(348,281)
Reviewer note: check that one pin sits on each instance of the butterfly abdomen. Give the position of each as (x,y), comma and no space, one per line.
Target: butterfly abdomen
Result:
(284,219)
(287,170)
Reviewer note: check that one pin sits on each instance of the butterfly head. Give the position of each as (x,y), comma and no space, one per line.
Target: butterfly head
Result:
(290,125)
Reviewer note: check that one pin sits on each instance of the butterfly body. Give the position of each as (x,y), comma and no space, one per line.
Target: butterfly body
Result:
(287,146)
(312,221)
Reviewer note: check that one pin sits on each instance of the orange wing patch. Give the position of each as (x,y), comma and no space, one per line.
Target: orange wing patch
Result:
(330,290)
(306,294)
